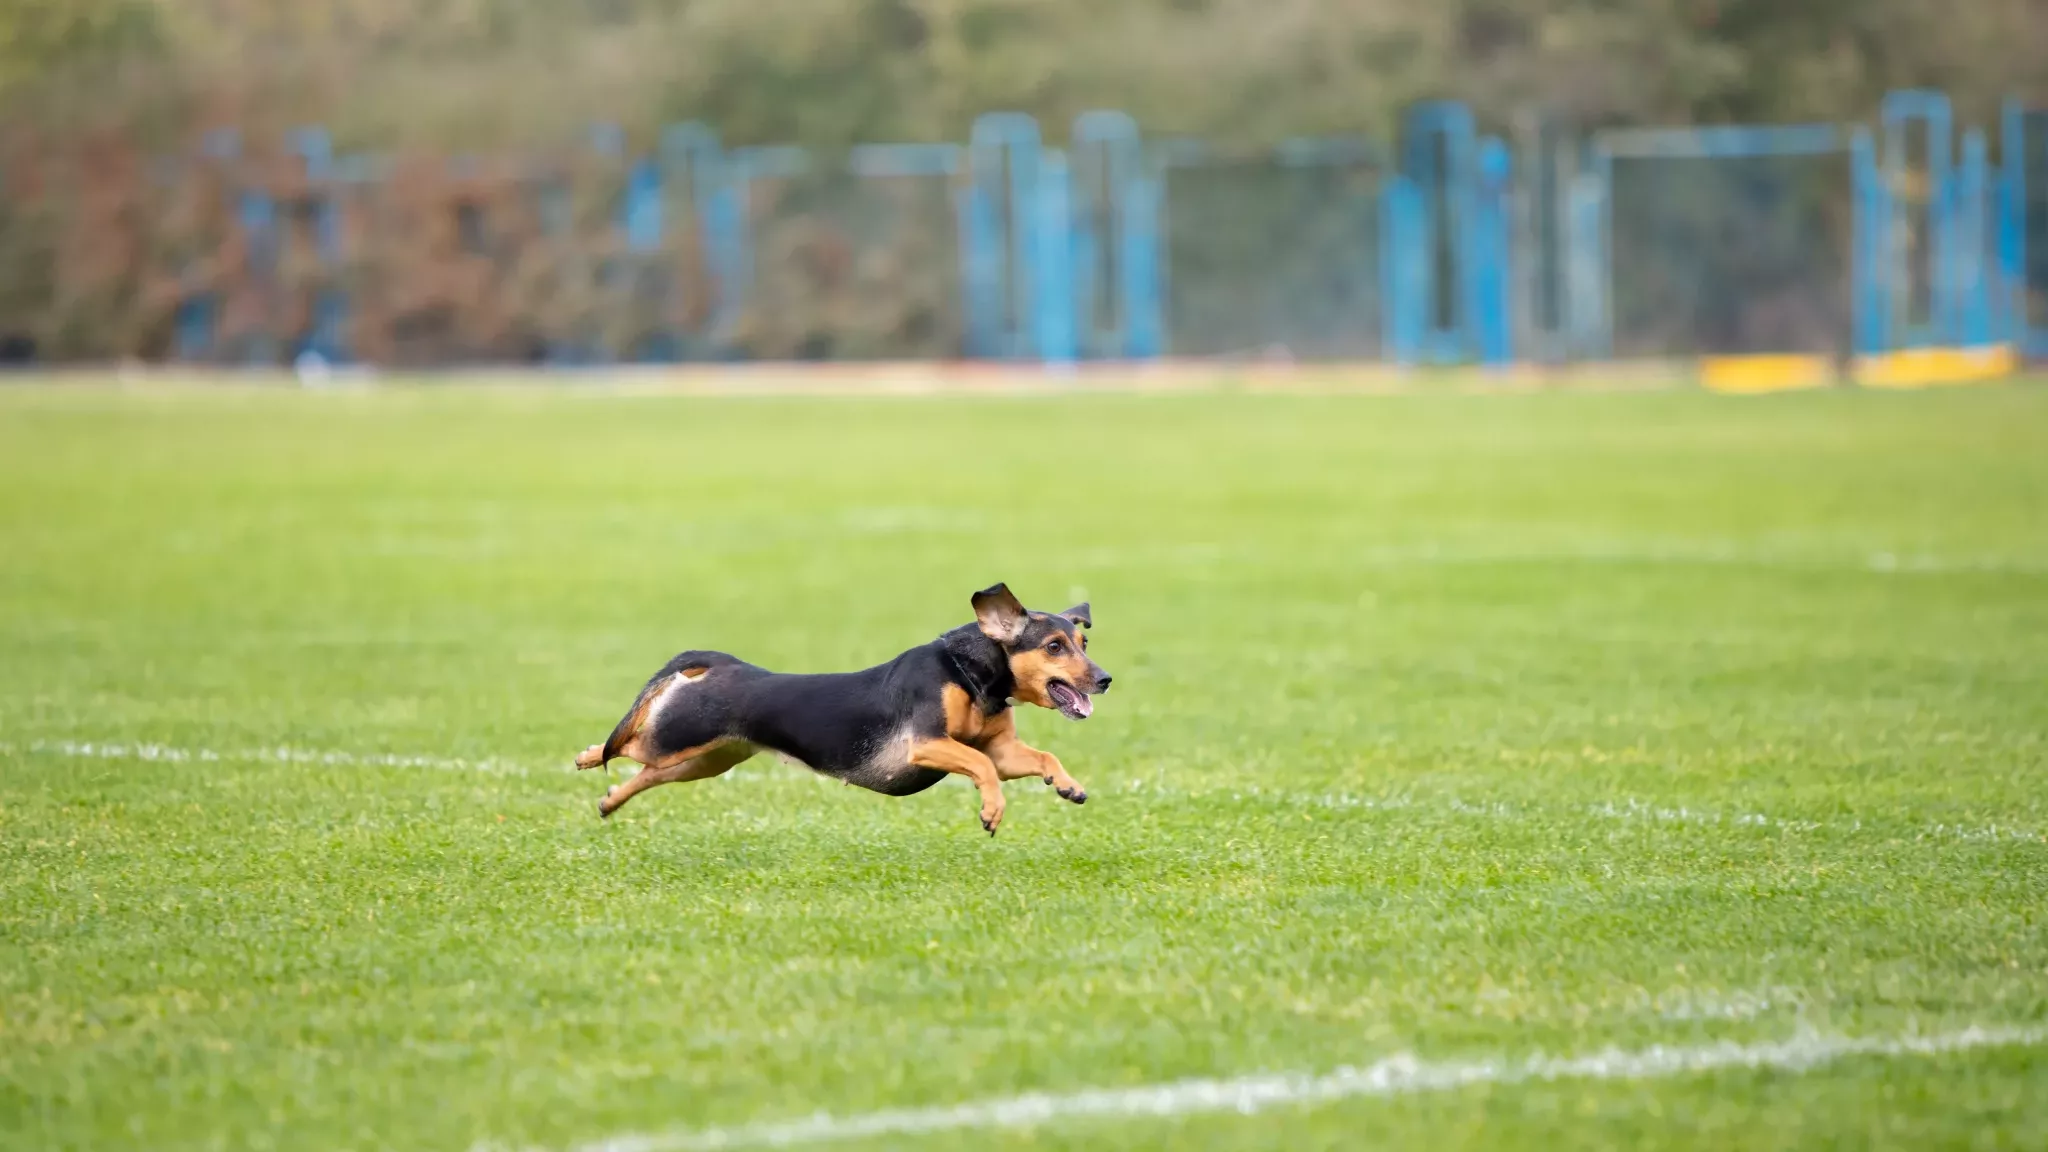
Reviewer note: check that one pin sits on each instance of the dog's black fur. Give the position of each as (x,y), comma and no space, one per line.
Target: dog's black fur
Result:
(897,728)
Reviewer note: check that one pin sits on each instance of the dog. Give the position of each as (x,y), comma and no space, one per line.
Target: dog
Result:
(897,728)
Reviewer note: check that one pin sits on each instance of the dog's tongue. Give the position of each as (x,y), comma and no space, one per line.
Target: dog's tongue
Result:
(1072,702)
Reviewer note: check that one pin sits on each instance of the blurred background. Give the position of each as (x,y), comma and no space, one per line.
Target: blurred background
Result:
(460,182)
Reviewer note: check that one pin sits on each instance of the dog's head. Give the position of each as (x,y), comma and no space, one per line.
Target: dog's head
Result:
(1047,651)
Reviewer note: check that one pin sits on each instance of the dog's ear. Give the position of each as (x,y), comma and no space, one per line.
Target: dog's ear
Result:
(1079,615)
(1001,617)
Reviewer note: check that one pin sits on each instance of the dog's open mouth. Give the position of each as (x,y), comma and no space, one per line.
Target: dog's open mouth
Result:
(1069,700)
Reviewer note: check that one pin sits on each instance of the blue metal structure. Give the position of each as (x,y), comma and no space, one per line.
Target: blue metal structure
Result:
(1405,267)
(1114,221)
(1589,320)
(1704,207)
(1062,254)
(1005,172)
(1491,238)
(1945,225)
(2022,227)
(1053,252)
(1899,272)
(1439,155)
(1871,223)
(1273,253)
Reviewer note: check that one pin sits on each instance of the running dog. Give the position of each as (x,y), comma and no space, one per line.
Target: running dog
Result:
(897,728)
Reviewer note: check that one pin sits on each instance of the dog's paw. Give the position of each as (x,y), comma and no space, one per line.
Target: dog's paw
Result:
(591,757)
(604,813)
(991,817)
(1074,795)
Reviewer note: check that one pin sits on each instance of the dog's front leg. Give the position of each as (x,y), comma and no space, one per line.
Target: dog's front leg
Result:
(1016,760)
(950,755)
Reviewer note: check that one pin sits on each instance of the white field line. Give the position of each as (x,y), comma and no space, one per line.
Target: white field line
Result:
(1620,552)
(1400,1075)
(1637,810)
(280,755)
(1631,809)
(1625,809)
(164,753)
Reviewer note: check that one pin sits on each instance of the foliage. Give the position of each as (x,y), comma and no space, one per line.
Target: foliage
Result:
(478,72)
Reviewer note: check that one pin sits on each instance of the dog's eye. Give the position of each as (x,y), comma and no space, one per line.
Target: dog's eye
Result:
(1055,648)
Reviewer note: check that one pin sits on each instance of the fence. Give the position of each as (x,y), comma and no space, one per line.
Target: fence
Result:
(1728,242)
(1444,246)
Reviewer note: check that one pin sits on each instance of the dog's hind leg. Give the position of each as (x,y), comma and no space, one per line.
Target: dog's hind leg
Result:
(698,765)
(632,738)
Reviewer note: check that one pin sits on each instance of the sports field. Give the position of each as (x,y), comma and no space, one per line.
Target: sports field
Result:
(1575,770)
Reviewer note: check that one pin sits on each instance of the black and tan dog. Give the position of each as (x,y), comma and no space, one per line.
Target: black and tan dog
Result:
(897,728)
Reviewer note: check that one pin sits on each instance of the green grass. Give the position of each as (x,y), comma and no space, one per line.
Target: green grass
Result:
(1468,726)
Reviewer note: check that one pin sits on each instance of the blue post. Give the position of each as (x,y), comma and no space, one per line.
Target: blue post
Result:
(1011,136)
(1870,274)
(1404,270)
(1447,191)
(1055,281)
(1492,308)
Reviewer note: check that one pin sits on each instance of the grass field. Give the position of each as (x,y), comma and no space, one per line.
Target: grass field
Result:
(1476,728)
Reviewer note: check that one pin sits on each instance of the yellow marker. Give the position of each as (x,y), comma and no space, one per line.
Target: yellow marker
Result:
(1753,374)
(1928,367)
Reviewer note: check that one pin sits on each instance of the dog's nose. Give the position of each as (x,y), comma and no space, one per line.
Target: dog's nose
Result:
(1102,682)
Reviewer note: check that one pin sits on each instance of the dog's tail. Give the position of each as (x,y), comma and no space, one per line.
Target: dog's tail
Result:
(628,726)
(689,665)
